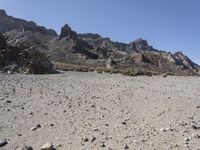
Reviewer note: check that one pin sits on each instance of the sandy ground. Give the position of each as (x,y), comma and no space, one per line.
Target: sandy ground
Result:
(90,111)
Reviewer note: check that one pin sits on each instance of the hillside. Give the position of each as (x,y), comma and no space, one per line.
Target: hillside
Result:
(71,50)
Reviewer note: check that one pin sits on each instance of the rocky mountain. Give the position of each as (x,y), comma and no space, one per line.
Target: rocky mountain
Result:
(8,23)
(38,45)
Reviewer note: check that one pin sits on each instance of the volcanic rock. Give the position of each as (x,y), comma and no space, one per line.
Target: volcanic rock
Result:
(47,146)
(140,45)
(66,31)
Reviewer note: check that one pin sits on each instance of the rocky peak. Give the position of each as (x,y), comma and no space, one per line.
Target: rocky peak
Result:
(8,23)
(66,31)
(140,45)
(2,12)
(185,61)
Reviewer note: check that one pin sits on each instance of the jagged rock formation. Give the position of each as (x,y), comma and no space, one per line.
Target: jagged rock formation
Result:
(29,42)
(181,58)
(8,23)
(17,57)
(69,48)
(66,31)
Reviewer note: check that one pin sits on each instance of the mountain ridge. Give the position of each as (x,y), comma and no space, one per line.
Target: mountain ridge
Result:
(93,50)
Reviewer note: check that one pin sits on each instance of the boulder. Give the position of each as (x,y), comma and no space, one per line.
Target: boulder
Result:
(17,55)
(47,146)
(3,142)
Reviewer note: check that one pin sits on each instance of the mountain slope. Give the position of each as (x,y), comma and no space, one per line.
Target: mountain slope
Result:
(92,50)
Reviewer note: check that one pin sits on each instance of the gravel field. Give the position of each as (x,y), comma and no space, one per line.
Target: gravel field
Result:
(91,111)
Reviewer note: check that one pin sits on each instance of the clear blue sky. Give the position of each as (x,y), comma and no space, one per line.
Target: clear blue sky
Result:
(167,24)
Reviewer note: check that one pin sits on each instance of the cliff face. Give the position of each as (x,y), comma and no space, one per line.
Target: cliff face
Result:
(89,49)
(19,57)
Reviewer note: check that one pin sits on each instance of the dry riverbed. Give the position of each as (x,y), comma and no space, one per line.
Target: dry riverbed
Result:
(90,111)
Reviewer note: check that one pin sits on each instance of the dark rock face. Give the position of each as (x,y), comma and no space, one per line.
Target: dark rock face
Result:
(26,47)
(66,31)
(3,13)
(17,57)
(2,41)
(182,59)
(104,43)
(70,49)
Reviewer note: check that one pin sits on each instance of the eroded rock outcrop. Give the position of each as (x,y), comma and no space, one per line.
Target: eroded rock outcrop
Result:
(140,45)
(17,57)
(8,23)
(139,57)
(66,31)
(27,47)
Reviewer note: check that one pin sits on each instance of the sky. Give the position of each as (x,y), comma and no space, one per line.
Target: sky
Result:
(172,25)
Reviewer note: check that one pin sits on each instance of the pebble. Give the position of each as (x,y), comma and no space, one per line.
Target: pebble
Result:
(93,139)
(35,128)
(169,129)
(3,142)
(47,146)
(195,127)
(126,147)
(187,139)
(27,148)
(195,136)
(8,101)
(162,130)
(103,145)
(198,106)
(85,140)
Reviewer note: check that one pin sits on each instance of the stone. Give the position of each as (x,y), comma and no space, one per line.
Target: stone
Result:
(195,127)
(93,139)
(163,130)
(36,127)
(195,136)
(126,147)
(47,146)
(103,145)
(3,142)
(85,140)
(27,148)
(187,140)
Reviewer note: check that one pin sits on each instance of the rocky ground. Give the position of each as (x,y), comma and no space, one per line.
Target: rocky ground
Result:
(75,111)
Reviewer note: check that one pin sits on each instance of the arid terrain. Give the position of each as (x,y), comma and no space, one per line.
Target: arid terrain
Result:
(91,111)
